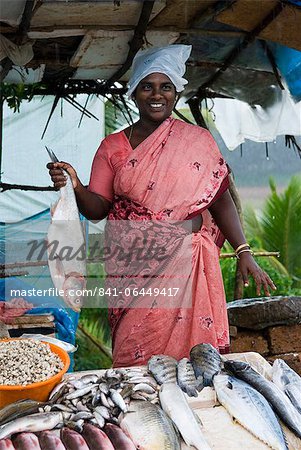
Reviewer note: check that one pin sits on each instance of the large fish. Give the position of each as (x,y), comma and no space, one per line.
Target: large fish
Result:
(186,378)
(250,409)
(149,427)
(163,368)
(33,423)
(174,403)
(277,399)
(19,409)
(206,362)
(288,381)
(66,246)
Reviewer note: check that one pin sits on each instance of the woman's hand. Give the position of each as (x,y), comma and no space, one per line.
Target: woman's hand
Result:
(248,266)
(58,176)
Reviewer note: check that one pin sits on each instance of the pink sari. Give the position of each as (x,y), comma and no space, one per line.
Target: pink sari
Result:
(174,174)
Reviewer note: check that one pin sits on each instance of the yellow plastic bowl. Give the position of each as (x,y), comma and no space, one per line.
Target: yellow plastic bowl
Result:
(36,391)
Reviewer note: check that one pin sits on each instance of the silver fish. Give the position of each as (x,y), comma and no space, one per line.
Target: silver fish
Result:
(149,427)
(277,399)
(80,392)
(206,362)
(33,423)
(175,405)
(19,409)
(250,409)
(163,368)
(118,400)
(288,381)
(66,246)
(186,377)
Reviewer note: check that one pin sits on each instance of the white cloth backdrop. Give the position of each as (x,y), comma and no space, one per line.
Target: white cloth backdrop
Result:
(24,157)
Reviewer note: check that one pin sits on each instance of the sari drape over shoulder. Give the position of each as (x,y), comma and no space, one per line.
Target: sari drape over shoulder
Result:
(174,174)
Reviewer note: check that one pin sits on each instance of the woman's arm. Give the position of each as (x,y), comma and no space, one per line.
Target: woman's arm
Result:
(91,205)
(225,215)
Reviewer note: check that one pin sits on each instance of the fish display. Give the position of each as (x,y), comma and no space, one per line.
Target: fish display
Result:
(275,396)
(66,246)
(206,362)
(163,368)
(149,427)
(288,381)
(186,378)
(250,409)
(19,409)
(33,423)
(175,405)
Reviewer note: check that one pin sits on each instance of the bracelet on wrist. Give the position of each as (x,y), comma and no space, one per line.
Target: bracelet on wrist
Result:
(243,251)
(242,246)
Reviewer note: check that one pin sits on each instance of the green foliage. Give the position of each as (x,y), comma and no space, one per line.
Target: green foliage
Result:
(94,322)
(278,227)
(14,94)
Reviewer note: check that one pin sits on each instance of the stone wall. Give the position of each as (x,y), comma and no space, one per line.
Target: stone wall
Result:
(269,326)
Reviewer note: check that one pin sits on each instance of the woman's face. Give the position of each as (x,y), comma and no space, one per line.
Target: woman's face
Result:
(155,97)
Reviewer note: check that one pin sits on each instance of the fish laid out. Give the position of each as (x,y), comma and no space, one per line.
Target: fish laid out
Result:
(19,409)
(288,381)
(33,423)
(186,378)
(175,405)
(66,246)
(149,427)
(275,396)
(250,409)
(206,362)
(163,368)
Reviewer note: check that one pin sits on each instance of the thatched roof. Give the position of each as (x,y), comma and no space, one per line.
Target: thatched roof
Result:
(77,42)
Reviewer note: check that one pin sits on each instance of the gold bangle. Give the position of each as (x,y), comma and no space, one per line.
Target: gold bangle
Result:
(244,250)
(240,247)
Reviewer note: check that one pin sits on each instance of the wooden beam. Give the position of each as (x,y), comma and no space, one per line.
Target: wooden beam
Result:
(136,43)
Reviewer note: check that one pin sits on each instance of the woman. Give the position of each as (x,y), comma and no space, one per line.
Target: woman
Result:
(148,180)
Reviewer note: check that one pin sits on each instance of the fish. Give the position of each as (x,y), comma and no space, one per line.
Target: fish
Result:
(49,441)
(26,441)
(288,381)
(96,438)
(149,427)
(118,400)
(163,368)
(186,377)
(250,409)
(174,404)
(277,398)
(33,423)
(72,440)
(118,438)
(19,409)
(6,444)
(66,246)
(206,362)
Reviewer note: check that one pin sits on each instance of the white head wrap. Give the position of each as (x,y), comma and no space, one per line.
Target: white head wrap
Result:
(169,60)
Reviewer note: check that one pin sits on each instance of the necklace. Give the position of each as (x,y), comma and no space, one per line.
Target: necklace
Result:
(131,132)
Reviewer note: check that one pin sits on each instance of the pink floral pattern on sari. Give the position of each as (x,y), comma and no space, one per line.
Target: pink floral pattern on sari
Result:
(175,174)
